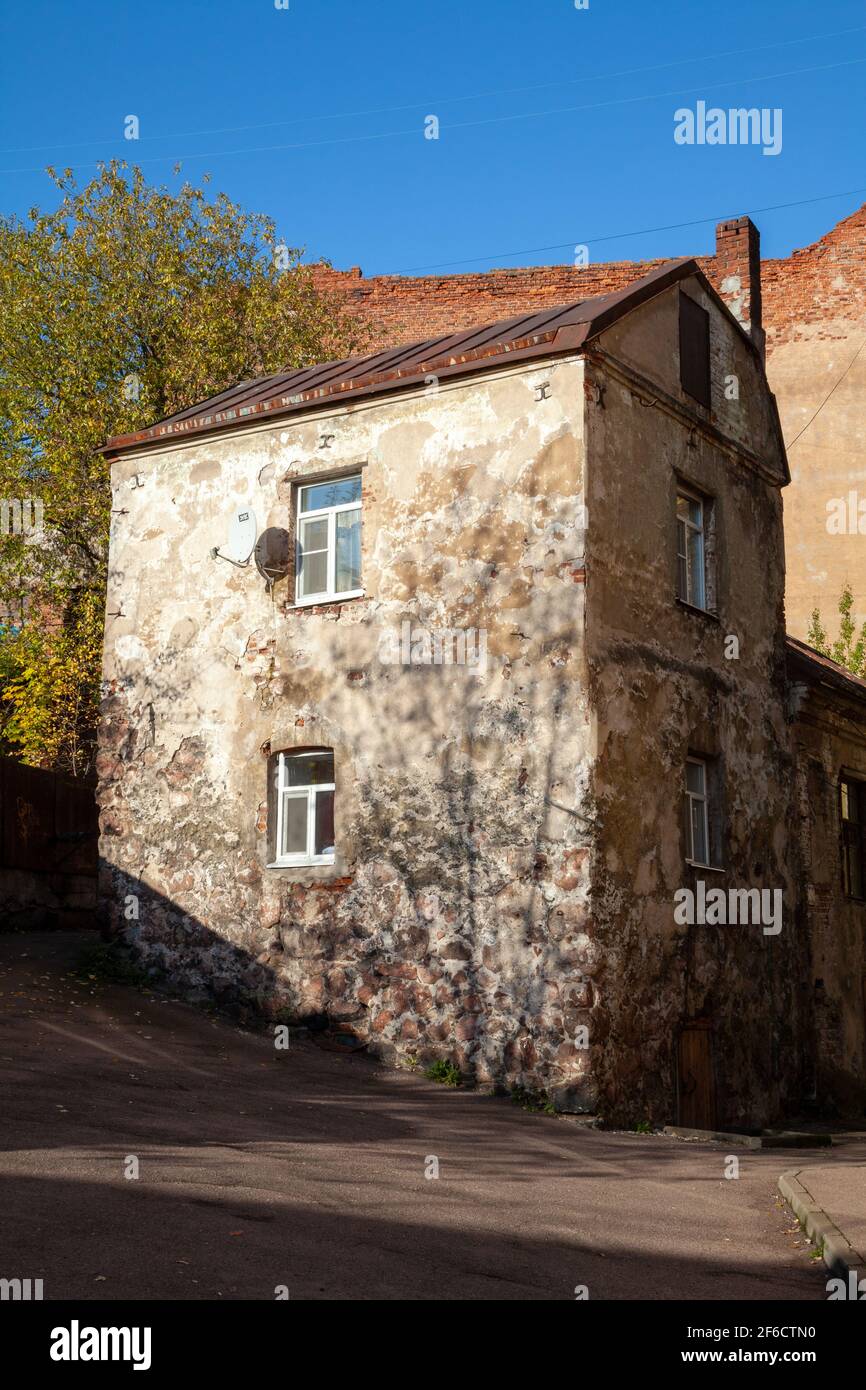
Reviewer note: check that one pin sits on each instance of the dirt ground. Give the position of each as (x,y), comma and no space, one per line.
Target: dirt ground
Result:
(304,1173)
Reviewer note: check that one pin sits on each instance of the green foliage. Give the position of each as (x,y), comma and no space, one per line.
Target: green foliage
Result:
(537,1102)
(49,685)
(444,1072)
(125,304)
(849,649)
(643,1127)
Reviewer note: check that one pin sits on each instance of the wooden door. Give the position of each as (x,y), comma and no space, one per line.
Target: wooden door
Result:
(697,1092)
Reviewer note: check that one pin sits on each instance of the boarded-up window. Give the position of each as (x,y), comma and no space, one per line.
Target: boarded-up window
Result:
(695,350)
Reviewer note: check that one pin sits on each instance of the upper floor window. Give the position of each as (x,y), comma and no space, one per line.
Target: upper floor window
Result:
(697,812)
(303,807)
(329,541)
(695,350)
(691,549)
(852,796)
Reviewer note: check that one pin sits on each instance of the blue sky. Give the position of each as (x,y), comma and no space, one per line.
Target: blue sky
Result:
(582,152)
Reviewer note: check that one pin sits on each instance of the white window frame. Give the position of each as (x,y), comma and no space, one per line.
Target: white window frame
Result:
(700,530)
(331,594)
(703,800)
(284,791)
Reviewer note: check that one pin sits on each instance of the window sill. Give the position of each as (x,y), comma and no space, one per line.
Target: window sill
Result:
(707,868)
(321,600)
(699,612)
(335,873)
(320,863)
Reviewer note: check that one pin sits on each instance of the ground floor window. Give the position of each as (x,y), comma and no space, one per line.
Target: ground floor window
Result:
(303,807)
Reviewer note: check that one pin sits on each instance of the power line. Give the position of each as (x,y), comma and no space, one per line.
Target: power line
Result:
(446,101)
(827,397)
(644,231)
(467,125)
(682,91)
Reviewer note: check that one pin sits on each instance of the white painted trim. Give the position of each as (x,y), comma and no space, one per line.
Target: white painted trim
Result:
(329,515)
(325,598)
(299,860)
(700,531)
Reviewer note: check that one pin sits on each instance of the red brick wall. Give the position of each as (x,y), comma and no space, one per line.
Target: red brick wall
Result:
(824,284)
(824,281)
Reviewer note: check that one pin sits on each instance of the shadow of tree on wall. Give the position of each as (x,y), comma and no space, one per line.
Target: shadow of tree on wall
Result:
(463,929)
(472,852)
(491,1001)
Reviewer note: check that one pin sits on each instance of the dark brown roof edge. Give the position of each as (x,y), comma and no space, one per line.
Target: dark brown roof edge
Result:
(580,324)
(822,670)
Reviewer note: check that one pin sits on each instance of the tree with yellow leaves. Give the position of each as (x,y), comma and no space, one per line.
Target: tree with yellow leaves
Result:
(125,304)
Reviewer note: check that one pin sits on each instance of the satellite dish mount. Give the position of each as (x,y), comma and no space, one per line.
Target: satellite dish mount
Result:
(241,541)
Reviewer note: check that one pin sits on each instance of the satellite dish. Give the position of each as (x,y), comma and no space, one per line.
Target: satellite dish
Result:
(272,553)
(242,537)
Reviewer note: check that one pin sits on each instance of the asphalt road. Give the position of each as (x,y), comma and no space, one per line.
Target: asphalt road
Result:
(260,1169)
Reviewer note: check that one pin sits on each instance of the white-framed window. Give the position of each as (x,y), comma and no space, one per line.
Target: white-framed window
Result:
(328,561)
(304,807)
(691,549)
(697,813)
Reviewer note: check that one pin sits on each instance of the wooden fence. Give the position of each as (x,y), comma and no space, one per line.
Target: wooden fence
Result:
(48,847)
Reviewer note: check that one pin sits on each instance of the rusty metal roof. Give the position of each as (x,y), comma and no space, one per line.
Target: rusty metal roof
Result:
(812,665)
(520,339)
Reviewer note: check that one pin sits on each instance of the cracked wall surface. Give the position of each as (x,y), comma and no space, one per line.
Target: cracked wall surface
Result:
(662,688)
(452,921)
(509,840)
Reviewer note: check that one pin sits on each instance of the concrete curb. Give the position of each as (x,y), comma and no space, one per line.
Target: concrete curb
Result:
(838,1253)
(778,1139)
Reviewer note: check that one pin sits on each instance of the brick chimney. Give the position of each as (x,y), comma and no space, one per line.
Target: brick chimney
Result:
(738,274)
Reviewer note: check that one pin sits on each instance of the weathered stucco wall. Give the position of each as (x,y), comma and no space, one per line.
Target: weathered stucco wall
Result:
(820,379)
(663,688)
(509,839)
(452,922)
(814,314)
(647,341)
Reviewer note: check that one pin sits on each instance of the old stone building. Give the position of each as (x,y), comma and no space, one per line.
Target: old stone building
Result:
(477,736)
(809,307)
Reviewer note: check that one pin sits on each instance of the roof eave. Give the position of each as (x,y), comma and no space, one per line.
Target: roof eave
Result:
(493,354)
(563,341)
(822,670)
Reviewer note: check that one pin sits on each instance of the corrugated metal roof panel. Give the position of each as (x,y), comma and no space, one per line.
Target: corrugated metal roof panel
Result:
(526,336)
